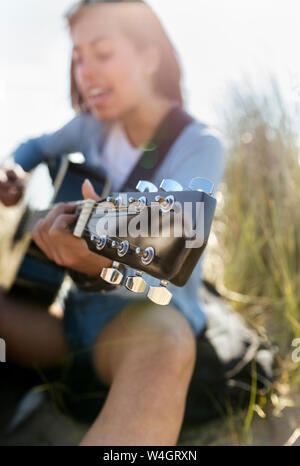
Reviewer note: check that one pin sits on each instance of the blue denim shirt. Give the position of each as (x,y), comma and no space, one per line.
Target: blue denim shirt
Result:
(195,153)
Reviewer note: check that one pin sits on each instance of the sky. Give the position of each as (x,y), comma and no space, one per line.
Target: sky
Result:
(220,43)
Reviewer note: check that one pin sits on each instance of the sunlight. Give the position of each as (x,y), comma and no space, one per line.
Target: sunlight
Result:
(219,43)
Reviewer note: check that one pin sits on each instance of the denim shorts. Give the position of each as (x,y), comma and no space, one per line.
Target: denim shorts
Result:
(85,314)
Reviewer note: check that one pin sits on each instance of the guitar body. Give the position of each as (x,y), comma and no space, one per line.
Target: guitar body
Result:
(12,253)
(24,269)
(35,275)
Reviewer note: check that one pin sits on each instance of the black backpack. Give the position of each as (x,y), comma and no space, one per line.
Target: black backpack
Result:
(232,361)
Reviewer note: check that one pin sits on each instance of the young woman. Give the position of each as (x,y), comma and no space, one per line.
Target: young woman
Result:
(125,81)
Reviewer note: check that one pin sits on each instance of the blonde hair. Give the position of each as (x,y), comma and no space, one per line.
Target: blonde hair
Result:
(143,28)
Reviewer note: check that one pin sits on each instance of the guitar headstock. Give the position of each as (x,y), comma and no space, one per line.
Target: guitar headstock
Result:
(158,231)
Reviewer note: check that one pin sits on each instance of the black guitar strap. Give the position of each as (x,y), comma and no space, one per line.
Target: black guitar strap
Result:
(155,153)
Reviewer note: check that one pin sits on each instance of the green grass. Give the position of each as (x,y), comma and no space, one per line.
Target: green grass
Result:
(254,255)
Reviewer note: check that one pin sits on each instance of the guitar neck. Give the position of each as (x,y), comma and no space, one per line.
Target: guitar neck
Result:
(30,219)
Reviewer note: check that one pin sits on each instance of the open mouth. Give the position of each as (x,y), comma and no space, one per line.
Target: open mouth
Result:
(99,95)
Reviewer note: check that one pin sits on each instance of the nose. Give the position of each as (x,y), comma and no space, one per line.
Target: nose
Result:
(87,70)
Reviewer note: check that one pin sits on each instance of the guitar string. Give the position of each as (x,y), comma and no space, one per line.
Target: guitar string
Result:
(88,230)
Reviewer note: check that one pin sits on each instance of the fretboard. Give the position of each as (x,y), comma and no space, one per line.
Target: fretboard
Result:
(31,218)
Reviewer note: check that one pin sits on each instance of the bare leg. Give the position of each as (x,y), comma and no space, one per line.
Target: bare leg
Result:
(147,355)
(33,337)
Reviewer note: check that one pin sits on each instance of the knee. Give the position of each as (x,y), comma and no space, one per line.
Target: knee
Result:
(146,342)
(171,356)
(175,354)
(167,340)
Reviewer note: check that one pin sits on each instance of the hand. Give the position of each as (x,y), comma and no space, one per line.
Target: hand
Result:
(53,236)
(11,185)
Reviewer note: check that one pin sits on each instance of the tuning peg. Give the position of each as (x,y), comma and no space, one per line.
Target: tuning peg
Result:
(122,248)
(160,294)
(146,256)
(111,274)
(202,184)
(170,185)
(138,204)
(136,284)
(166,203)
(116,202)
(146,186)
(160,199)
(100,242)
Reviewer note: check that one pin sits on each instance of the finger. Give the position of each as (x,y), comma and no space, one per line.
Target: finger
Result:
(60,209)
(13,187)
(43,233)
(16,174)
(63,223)
(9,201)
(10,197)
(65,207)
(66,245)
(88,191)
(11,175)
(40,239)
(45,241)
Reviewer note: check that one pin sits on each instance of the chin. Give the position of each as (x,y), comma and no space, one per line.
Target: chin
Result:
(112,113)
(106,114)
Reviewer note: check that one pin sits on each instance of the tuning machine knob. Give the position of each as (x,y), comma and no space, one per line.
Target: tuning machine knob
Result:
(122,248)
(166,203)
(202,184)
(115,201)
(136,284)
(170,185)
(138,204)
(146,186)
(146,256)
(111,274)
(160,294)
(100,242)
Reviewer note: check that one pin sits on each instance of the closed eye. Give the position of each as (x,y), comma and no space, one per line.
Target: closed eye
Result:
(104,56)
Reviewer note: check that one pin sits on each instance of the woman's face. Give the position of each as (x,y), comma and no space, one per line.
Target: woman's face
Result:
(112,76)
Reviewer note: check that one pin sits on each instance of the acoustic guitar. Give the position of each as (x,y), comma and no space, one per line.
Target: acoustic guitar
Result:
(24,268)
(158,231)
(177,221)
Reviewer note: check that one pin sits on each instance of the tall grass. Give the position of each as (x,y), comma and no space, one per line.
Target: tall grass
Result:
(254,255)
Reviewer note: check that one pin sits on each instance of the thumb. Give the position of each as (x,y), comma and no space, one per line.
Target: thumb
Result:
(88,191)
